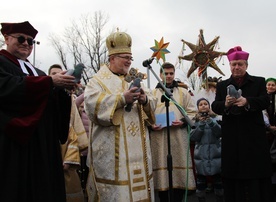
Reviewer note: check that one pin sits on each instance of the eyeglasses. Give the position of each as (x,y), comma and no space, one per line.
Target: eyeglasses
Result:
(22,39)
(125,57)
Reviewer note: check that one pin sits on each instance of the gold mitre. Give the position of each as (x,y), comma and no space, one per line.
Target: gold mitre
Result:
(118,42)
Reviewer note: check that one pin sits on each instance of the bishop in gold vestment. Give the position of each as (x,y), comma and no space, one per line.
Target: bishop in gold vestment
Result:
(119,151)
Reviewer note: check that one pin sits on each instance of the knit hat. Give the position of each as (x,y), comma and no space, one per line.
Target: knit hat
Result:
(22,27)
(200,99)
(270,79)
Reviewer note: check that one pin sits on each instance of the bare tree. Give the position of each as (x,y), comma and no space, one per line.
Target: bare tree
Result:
(85,42)
(72,41)
(57,44)
(89,33)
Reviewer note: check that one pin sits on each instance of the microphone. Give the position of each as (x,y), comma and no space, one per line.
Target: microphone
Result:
(147,62)
(135,83)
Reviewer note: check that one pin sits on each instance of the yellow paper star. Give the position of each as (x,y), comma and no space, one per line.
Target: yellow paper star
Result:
(160,49)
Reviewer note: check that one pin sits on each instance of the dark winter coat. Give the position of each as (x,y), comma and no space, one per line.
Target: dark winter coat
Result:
(207,153)
(245,151)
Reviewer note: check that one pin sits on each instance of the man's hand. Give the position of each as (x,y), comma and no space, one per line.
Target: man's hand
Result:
(241,102)
(156,127)
(131,95)
(177,123)
(142,98)
(63,81)
(229,101)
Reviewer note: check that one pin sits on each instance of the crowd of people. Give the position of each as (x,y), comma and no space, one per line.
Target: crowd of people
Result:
(119,141)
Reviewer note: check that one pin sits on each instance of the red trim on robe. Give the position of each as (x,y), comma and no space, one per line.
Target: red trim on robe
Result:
(37,92)
(36,97)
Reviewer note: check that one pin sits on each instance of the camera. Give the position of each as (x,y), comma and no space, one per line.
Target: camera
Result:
(204,114)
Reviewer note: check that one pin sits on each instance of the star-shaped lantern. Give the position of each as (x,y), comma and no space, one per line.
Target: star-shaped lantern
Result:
(160,49)
(202,56)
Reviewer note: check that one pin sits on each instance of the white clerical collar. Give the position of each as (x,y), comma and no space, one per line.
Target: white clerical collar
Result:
(22,65)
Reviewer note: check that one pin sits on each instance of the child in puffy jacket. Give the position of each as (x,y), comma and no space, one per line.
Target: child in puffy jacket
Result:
(207,153)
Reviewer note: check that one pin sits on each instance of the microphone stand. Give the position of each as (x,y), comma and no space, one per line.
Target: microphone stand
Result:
(169,156)
(166,98)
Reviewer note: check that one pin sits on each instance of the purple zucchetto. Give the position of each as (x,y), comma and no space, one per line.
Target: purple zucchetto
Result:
(237,53)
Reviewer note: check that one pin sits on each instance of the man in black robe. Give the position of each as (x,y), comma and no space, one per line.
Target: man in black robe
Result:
(246,164)
(34,120)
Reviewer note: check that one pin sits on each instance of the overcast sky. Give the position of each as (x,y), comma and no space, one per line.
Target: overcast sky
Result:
(247,23)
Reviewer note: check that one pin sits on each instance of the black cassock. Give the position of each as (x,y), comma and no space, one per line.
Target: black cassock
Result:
(245,156)
(34,120)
